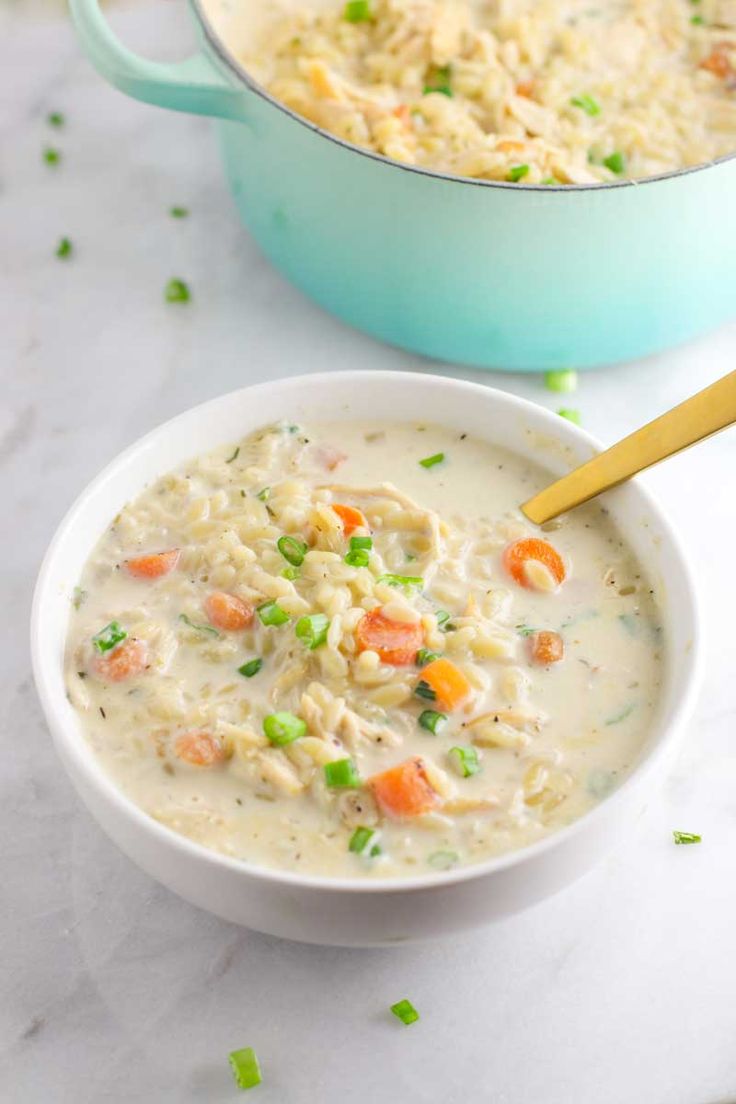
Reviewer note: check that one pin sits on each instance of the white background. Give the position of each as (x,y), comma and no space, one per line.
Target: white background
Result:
(618,991)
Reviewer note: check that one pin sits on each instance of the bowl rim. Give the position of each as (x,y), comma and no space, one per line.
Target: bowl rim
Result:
(229,59)
(71,737)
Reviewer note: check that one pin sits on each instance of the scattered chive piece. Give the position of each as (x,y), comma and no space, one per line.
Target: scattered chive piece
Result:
(615,162)
(283,728)
(618,717)
(430,461)
(176,291)
(106,639)
(361,542)
(571,415)
(438,80)
(424,690)
(588,103)
(443,860)
(78,596)
(64,248)
(264,495)
(517,173)
(292,549)
(464,760)
(425,656)
(548,180)
(290,573)
(51,156)
(525,630)
(686,837)
(357,557)
(444,624)
(405,1011)
(600,782)
(55,119)
(401,580)
(179,212)
(234,456)
(312,630)
(563,381)
(697,20)
(271,613)
(341,774)
(246,1071)
(251,668)
(198,626)
(432,720)
(357,11)
(364,841)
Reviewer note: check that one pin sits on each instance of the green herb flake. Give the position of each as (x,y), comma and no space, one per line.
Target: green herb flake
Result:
(245,1067)
(264,495)
(357,557)
(425,656)
(198,626)
(587,103)
(64,249)
(525,630)
(401,580)
(438,80)
(432,721)
(177,291)
(179,212)
(357,11)
(78,597)
(424,690)
(616,718)
(405,1011)
(234,456)
(697,21)
(251,668)
(290,573)
(361,543)
(444,624)
(563,381)
(55,119)
(430,461)
(364,841)
(106,639)
(312,630)
(342,774)
(570,414)
(600,782)
(292,549)
(548,180)
(616,162)
(443,860)
(517,173)
(271,613)
(464,760)
(51,156)
(686,837)
(283,728)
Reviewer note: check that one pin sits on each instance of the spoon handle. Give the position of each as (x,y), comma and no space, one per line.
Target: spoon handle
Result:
(698,417)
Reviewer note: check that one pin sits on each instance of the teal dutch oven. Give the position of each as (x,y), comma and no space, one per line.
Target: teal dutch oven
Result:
(483,273)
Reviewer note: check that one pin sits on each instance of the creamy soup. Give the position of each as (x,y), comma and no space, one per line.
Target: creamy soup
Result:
(341,650)
(528,91)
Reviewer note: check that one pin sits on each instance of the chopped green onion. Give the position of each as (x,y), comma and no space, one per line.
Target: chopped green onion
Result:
(588,103)
(571,415)
(443,860)
(179,212)
(686,837)
(106,639)
(360,542)
(78,596)
(64,248)
(564,380)
(364,841)
(464,760)
(430,461)
(424,690)
(600,782)
(401,580)
(405,1011)
(283,728)
(251,668)
(246,1071)
(438,80)
(525,630)
(176,291)
(431,720)
(615,162)
(424,656)
(697,21)
(234,456)
(341,773)
(264,495)
(51,156)
(444,624)
(55,119)
(518,172)
(357,11)
(290,573)
(357,557)
(548,180)
(625,712)
(312,630)
(271,613)
(292,549)
(198,626)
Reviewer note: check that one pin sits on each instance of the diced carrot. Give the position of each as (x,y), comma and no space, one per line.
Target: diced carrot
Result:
(154,565)
(227,612)
(718,62)
(200,749)
(448,682)
(351,517)
(404,790)
(397,642)
(125,661)
(545,647)
(525,88)
(508,145)
(402,112)
(517,554)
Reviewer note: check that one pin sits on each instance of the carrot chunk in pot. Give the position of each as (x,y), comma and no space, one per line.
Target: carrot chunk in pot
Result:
(227,612)
(450,686)
(517,555)
(545,647)
(404,790)
(397,642)
(153,565)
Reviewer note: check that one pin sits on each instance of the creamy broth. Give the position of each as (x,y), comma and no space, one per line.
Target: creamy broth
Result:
(190,737)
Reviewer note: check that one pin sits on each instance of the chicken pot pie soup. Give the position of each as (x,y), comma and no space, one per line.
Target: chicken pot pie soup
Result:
(340,649)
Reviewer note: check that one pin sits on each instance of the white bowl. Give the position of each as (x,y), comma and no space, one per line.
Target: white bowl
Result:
(342,911)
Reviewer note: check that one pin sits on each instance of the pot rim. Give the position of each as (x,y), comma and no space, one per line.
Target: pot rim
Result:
(232,63)
(676,706)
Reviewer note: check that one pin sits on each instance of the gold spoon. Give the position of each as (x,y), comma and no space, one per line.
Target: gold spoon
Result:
(708,412)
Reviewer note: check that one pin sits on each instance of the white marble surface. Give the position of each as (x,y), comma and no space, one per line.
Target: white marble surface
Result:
(619,991)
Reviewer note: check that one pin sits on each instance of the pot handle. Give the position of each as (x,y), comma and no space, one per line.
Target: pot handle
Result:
(194,85)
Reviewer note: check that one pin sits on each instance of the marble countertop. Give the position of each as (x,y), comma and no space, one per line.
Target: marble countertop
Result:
(618,991)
